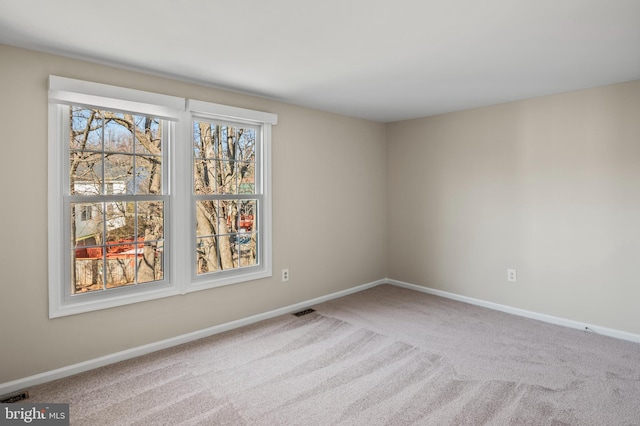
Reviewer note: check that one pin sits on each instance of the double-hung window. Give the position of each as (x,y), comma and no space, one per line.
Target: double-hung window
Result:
(231,203)
(122,164)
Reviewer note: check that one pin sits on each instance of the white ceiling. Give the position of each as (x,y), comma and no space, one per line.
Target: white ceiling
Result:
(385,60)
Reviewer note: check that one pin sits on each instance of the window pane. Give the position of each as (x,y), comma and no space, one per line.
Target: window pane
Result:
(247,182)
(228,245)
(247,220)
(151,262)
(151,220)
(227,177)
(120,221)
(86,272)
(85,173)
(229,251)
(225,143)
(206,218)
(86,129)
(247,145)
(204,178)
(228,217)
(204,144)
(148,135)
(207,254)
(87,229)
(119,171)
(121,265)
(247,244)
(86,224)
(117,132)
(148,178)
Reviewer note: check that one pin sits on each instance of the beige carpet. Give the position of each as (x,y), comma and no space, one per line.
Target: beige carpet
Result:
(385,356)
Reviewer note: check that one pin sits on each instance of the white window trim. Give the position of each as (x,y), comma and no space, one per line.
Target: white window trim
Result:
(181,227)
(68,91)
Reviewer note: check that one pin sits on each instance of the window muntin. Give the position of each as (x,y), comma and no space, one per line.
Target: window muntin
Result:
(116,199)
(227,195)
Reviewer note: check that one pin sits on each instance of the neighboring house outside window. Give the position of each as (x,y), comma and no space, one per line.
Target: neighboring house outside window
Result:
(85,216)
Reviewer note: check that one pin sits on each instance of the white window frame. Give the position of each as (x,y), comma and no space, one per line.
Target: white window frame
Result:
(180,260)
(199,110)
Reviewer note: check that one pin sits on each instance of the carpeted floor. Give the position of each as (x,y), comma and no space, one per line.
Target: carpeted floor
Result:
(385,356)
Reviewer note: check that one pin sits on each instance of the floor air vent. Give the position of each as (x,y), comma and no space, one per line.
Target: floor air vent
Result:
(14,397)
(305,312)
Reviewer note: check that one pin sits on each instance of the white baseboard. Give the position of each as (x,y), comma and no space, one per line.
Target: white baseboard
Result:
(521,312)
(70,370)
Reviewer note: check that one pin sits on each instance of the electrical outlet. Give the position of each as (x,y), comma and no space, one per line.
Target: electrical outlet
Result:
(512,275)
(285,275)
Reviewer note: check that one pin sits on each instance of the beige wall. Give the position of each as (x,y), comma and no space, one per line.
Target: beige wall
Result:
(329,220)
(550,186)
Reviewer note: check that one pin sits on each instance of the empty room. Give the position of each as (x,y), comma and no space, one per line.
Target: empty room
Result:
(338,212)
